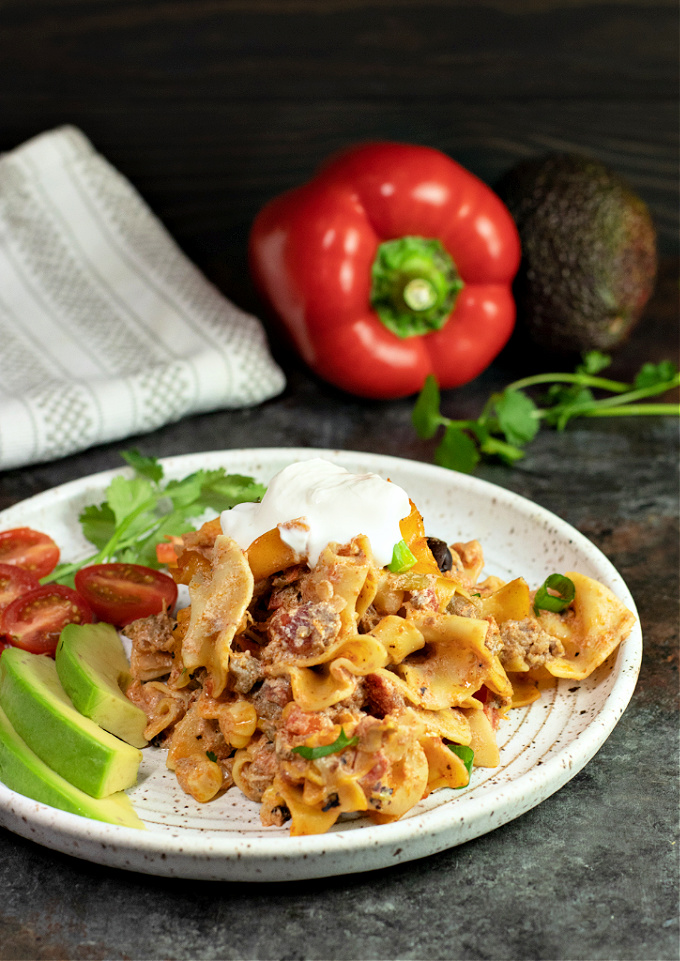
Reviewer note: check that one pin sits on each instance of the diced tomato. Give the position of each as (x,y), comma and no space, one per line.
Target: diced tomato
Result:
(31,550)
(121,593)
(35,620)
(15,581)
(166,553)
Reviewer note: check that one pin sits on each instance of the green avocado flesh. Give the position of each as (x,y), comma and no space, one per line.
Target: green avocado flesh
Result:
(92,668)
(22,771)
(74,746)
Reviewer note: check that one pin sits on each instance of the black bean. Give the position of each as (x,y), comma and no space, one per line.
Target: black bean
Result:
(441,553)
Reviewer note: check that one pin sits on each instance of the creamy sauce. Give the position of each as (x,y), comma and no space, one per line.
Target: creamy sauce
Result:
(329,504)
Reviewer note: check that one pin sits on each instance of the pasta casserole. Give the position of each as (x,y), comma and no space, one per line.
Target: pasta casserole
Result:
(333,660)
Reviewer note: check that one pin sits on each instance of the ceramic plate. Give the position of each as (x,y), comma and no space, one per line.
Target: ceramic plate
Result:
(542,746)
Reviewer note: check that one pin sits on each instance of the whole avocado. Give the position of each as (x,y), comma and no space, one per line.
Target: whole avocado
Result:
(589,256)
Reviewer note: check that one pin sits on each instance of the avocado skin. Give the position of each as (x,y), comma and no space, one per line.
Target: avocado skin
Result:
(589,256)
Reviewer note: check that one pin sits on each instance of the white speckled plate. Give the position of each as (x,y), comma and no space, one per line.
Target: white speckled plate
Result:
(543,746)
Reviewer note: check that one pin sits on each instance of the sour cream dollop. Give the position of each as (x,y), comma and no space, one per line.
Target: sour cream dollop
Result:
(333,505)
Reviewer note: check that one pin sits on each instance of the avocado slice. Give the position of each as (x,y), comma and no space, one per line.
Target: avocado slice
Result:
(22,770)
(93,669)
(74,746)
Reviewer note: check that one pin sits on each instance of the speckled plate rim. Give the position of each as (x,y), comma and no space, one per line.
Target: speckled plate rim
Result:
(191,854)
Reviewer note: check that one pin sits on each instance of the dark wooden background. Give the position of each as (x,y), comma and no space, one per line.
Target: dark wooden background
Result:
(210,107)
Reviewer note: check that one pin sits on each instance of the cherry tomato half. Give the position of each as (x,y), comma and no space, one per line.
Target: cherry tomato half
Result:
(35,620)
(121,593)
(15,581)
(31,550)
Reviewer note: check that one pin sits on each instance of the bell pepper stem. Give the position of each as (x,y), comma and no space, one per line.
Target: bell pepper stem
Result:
(415,285)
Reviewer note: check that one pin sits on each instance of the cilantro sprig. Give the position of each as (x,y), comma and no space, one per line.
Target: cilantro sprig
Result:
(339,744)
(511,419)
(141,511)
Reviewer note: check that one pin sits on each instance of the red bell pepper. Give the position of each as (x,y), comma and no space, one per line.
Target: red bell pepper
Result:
(392,263)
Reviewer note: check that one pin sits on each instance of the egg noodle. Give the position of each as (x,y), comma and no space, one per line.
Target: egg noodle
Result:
(345,686)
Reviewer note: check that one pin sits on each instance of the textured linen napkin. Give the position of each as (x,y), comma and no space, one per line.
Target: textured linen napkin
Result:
(106,329)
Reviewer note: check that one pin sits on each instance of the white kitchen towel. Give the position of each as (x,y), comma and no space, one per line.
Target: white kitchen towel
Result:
(106,328)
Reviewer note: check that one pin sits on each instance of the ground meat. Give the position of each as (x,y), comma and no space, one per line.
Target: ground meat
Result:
(423,600)
(244,670)
(493,640)
(304,631)
(260,773)
(527,640)
(153,646)
(285,597)
(381,697)
(315,587)
(269,701)
(461,606)
(352,703)
(289,576)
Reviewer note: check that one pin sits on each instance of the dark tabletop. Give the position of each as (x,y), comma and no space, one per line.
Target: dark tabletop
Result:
(211,108)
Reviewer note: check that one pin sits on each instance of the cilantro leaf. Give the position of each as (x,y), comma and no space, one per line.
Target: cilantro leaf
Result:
(145,466)
(125,496)
(211,755)
(221,491)
(98,524)
(426,417)
(466,754)
(457,450)
(340,743)
(140,512)
(592,362)
(511,419)
(567,402)
(653,375)
(517,416)
(186,491)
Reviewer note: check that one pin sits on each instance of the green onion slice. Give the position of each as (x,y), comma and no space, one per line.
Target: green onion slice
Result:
(402,558)
(563,593)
